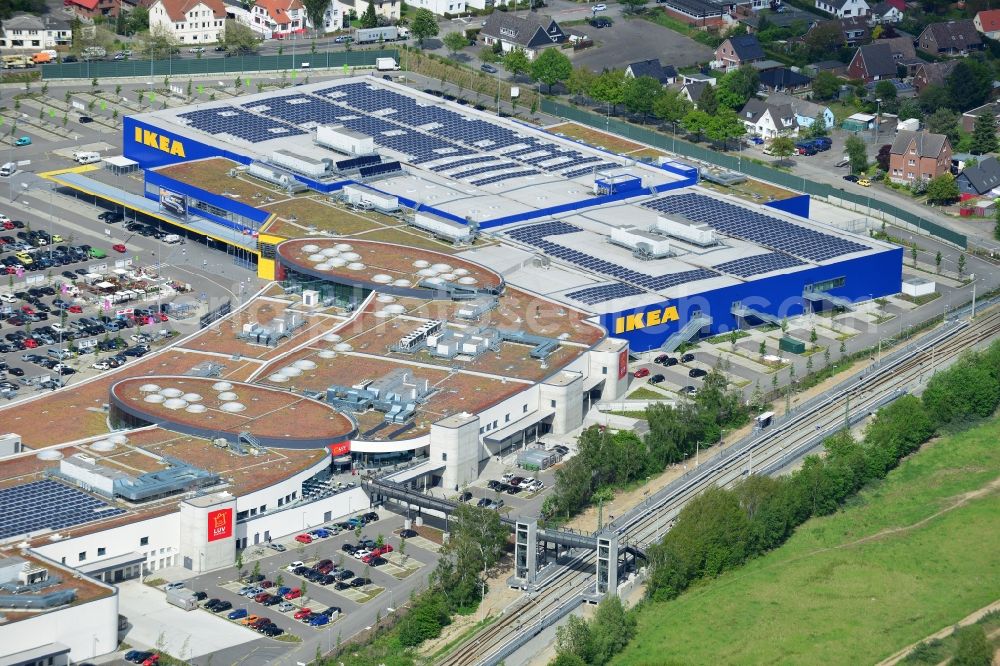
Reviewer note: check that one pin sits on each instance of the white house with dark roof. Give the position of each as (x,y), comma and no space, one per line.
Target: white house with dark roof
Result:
(806,111)
(531,33)
(26,31)
(439,7)
(665,74)
(844,8)
(767,120)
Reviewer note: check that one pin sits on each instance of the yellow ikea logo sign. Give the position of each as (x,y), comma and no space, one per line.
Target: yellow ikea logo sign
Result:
(634,322)
(154,140)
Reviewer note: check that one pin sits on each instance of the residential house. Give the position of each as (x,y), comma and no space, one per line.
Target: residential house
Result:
(738,51)
(889,11)
(783,79)
(342,9)
(917,156)
(987,22)
(843,8)
(439,7)
(278,18)
(969,117)
(904,53)
(90,9)
(835,67)
(665,74)
(530,33)
(980,179)
(855,30)
(698,77)
(27,31)
(699,13)
(872,62)
(950,38)
(692,91)
(190,21)
(932,74)
(767,120)
(806,111)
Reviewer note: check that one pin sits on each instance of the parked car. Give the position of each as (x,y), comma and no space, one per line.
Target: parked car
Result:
(488,68)
(697,372)
(319,620)
(687,358)
(294,593)
(238,614)
(304,538)
(851,178)
(640,373)
(656,379)
(302,614)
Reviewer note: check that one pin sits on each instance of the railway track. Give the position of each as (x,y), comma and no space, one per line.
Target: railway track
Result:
(769,452)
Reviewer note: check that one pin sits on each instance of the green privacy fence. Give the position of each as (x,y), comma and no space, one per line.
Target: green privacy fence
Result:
(235,65)
(750,168)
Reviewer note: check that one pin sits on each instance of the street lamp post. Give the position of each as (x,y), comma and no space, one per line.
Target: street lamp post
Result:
(878,115)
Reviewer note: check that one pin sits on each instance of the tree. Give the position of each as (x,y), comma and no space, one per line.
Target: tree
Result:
(138,20)
(782,147)
(913,255)
(762,349)
(725,125)
(961,265)
(369,19)
(239,37)
(935,97)
(973,648)
(738,86)
(159,42)
(671,106)
(633,6)
(818,128)
(970,83)
(640,93)
(826,38)
(516,62)
(580,81)
(825,85)
(423,25)
(708,101)
(937,257)
(945,121)
(239,563)
(455,42)
(477,541)
(885,91)
(910,108)
(884,154)
(609,87)
(696,122)
(984,135)
(551,67)
(942,189)
(315,12)
(857,153)
(487,54)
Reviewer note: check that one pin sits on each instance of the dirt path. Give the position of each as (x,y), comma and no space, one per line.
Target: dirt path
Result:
(943,633)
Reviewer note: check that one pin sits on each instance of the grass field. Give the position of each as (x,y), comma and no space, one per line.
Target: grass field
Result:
(906,558)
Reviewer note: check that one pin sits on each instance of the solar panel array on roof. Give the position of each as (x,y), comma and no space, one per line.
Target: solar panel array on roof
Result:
(239,123)
(379,169)
(536,235)
(772,232)
(761,263)
(605,292)
(358,162)
(47,504)
(505,176)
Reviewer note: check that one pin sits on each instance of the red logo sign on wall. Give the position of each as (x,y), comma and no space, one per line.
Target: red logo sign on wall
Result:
(622,363)
(340,448)
(220,524)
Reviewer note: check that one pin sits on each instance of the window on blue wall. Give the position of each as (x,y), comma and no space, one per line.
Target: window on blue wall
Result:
(827,285)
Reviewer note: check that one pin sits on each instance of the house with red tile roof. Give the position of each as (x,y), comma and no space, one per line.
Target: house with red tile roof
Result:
(987,22)
(278,18)
(193,22)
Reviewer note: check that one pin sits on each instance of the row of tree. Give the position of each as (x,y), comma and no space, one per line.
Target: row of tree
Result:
(612,460)
(721,529)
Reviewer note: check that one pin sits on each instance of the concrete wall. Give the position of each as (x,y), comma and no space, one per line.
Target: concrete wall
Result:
(564,394)
(199,552)
(162,535)
(455,441)
(297,518)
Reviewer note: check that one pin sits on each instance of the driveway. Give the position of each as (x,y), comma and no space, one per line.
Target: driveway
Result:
(186,634)
(630,40)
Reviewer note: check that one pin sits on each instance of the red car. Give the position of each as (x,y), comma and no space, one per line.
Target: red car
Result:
(162,316)
(8,225)
(387,548)
(640,373)
(303,614)
(119,247)
(304,538)
(152,660)
(30,343)
(262,597)
(75,309)
(294,593)
(26,309)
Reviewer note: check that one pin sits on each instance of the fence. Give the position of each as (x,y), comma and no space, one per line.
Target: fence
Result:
(750,168)
(234,65)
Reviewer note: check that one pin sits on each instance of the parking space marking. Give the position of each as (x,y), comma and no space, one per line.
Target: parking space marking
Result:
(426,544)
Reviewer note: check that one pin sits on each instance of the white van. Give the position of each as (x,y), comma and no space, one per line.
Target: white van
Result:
(87,157)
(171,238)
(8,169)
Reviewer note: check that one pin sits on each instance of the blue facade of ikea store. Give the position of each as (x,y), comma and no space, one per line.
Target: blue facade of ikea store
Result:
(864,278)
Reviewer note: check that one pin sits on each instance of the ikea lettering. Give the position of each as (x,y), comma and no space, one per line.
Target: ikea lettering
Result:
(639,320)
(160,142)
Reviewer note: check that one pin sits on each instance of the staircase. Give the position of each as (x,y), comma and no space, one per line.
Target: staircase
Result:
(688,331)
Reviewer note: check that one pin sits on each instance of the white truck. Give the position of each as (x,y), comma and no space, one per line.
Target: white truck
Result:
(389,33)
(182,598)
(86,157)
(386,64)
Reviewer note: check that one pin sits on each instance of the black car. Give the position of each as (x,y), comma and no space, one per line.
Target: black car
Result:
(407,534)
(851,178)
(669,361)
(378,561)
(272,600)
(17,372)
(201,596)
(465,497)
(69,276)
(300,571)
(272,631)
(211,604)
(328,579)
(697,372)
(137,656)
(370,517)
(223,606)
(345,574)
(86,119)
(687,358)
(493,484)
(341,585)
(690,390)
(656,379)
(488,68)
(600,22)
(361,582)
(483,502)
(348,548)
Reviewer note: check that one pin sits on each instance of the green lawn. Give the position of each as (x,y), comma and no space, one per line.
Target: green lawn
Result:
(855,587)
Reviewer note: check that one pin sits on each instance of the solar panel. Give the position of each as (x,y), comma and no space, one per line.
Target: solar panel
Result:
(605,292)
(751,225)
(379,169)
(356,162)
(762,263)
(239,123)
(47,504)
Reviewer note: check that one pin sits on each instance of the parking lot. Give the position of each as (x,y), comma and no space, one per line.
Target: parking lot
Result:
(629,40)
